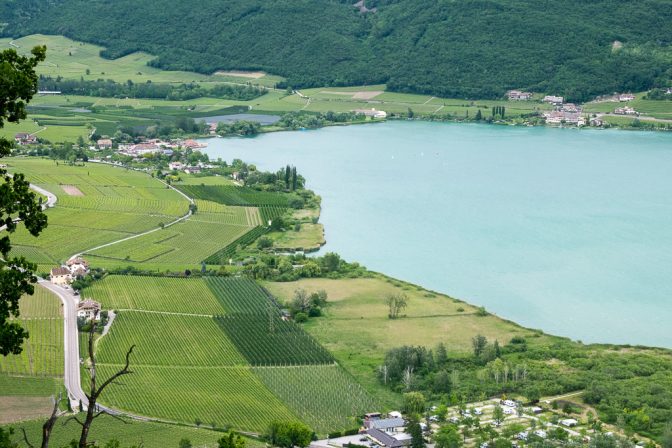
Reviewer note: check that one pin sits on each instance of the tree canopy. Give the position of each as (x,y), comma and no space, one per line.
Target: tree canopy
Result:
(18,84)
(465,49)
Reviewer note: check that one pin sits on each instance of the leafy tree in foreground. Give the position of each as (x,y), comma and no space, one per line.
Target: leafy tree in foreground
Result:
(289,434)
(18,84)
(448,437)
(231,440)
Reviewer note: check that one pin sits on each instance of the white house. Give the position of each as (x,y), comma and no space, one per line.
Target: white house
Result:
(557,100)
(569,422)
(88,309)
(373,113)
(175,166)
(78,267)
(517,95)
(61,276)
(626,97)
(388,425)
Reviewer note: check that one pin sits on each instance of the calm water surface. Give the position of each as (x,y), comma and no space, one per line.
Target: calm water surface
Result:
(564,230)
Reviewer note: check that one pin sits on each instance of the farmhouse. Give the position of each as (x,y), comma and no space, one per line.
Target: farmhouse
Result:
(77,265)
(88,309)
(175,166)
(626,97)
(388,441)
(104,143)
(626,110)
(60,276)
(556,100)
(517,95)
(388,425)
(372,113)
(23,138)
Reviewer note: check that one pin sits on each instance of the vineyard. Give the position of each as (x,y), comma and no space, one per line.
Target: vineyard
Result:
(42,353)
(239,295)
(265,339)
(231,195)
(188,242)
(167,340)
(325,397)
(223,255)
(175,295)
(225,396)
(114,204)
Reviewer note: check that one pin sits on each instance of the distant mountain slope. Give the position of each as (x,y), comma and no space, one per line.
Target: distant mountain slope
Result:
(459,48)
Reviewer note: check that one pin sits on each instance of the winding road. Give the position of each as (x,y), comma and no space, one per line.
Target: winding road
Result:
(72,378)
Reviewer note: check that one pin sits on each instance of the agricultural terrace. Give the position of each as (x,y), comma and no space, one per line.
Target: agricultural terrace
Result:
(231,195)
(42,353)
(199,339)
(96,204)
(186,243)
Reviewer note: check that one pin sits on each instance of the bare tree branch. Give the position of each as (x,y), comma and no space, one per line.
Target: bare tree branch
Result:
(68,420)
(25,438)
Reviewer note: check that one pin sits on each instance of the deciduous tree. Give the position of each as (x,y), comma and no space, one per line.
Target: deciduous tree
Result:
(18,84)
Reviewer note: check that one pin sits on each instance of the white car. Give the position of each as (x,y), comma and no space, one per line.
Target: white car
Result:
(522,435)
(454,420)
(478,411)
(508,411)
(540,433)
(434,418)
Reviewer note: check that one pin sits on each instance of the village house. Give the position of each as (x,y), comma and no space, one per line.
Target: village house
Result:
(372,113)
(562,117)
(23,138)
(626,97)
(192,169)
(193,144)
(388,425)
(386,440)
(78,267)
(88,309)
(175,166)
(570,107)
(625,110)
(517,95)
(104,143)
(555,100)
(60,276)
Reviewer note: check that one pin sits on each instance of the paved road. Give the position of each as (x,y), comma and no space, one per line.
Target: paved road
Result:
(72,378)
(51,201)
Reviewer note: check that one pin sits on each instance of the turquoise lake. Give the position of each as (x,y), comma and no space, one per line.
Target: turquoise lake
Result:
(559,229)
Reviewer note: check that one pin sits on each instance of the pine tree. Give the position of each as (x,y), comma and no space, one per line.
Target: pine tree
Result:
(287,175)
(294,180)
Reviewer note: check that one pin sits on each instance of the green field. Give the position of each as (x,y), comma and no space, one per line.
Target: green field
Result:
(97,203)
(231,195)
(127,432)
(42,353)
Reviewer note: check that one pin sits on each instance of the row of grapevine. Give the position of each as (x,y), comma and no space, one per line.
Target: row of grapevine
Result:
(223,255)
(238,295)
(266,339)
(325,397)
(168,340)
(270,212)
(231,195)
(174,295)
(42,353)
(224,396)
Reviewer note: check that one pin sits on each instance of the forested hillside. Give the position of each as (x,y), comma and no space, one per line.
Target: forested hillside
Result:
(465,48)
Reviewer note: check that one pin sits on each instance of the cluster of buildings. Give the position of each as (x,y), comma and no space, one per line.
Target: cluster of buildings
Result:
(189,169)
(568,113)
(150,146)
(554,100)
(24,138)
(625,110)
(371,113)
(69,272)
(64,275)
(518,95)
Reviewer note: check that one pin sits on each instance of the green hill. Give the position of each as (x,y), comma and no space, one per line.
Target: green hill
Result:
(466,48)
